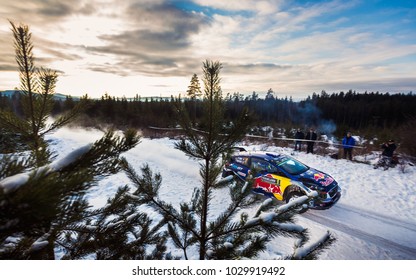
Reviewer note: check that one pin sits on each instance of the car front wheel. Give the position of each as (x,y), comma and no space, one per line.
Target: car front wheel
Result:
(294,195)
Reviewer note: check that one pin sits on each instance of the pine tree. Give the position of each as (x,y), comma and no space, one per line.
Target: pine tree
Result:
(118,230)
(43,209)
(194,89)
(234,234)
(37,88)
(38,206)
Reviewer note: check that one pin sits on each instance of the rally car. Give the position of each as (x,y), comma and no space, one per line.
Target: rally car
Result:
(283,177)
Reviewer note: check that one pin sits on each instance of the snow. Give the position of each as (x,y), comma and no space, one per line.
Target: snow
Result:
(70,158)
(302,251)
(40,243)
(225,179)
(228,245)
(290,227)
(375,219)
(267,217)
(12,183)
(298,200)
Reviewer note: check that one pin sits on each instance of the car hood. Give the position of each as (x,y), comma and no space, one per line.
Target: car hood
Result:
(316,177)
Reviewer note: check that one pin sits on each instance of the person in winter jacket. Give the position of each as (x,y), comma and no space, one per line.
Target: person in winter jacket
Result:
(299,136)
(388,148)
(311,138)
(386,159)
(348,144)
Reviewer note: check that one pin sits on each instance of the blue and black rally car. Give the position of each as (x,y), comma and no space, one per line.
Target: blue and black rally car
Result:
(284,178)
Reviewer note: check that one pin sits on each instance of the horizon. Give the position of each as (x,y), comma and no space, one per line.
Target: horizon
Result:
(129,98)
(152,48)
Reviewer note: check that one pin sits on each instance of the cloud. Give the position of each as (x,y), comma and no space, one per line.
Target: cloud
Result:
(161,26)
(157,40)
(7,67)
(391,85)
(255,68)
(253,6)
(54,9)
(7,60)
(42,12)
(154,38)
(149,65)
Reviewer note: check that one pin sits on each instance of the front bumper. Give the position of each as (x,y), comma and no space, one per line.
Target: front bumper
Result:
(323,204)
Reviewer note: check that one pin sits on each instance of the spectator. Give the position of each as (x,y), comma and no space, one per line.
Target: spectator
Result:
(348,144)
(310,138)
(386,159)
(299,136)
(388,148)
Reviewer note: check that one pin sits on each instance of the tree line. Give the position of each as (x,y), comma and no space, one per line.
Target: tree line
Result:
(372,115)
(349,111)
(363,110)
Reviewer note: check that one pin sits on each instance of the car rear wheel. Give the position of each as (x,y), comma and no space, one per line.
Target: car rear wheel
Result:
(294,195)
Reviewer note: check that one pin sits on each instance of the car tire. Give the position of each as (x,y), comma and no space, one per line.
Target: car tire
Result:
(227,173)
(293,195)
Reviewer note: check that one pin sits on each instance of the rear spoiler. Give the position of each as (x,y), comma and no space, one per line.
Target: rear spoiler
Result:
(240,149)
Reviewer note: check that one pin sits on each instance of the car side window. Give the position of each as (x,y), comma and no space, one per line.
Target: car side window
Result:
(241,160)
(262,165)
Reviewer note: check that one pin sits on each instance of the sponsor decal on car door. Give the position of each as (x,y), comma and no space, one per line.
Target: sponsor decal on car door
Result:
(273,184)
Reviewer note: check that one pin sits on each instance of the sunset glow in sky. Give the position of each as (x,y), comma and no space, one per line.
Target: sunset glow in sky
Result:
(153,47)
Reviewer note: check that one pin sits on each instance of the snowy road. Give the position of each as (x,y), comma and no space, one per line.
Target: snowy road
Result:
(395,237)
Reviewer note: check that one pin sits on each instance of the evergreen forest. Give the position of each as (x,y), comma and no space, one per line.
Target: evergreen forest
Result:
(372,115)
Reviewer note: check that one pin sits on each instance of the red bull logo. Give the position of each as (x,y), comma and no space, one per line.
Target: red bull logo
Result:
(318,176)
(324,180)
(269,184)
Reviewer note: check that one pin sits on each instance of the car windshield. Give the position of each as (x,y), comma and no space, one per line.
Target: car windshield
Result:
(291,165)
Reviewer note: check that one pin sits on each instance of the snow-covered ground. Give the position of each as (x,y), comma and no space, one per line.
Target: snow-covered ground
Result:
(375,218)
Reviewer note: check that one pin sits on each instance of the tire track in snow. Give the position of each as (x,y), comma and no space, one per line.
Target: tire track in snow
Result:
(382,218)
(390,234)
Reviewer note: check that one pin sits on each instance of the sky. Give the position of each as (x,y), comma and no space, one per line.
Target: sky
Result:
(153,47)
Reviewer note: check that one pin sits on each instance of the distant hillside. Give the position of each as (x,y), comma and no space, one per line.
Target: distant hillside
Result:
(8,93)
(57,96)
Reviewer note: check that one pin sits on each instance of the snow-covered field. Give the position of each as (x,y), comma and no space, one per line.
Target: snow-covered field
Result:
(375,218)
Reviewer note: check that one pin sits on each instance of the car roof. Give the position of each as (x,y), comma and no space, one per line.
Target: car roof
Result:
(264,155)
